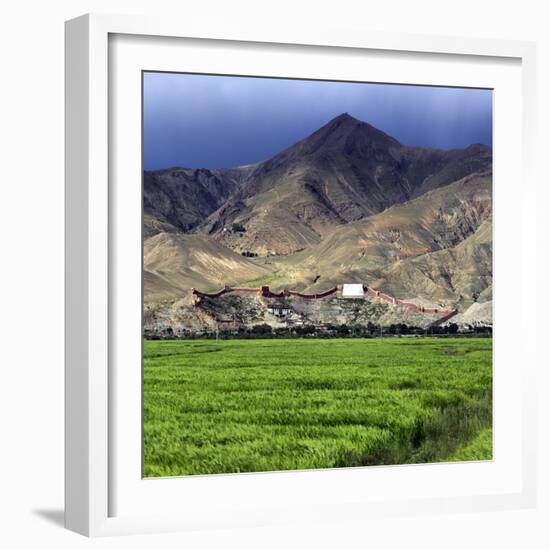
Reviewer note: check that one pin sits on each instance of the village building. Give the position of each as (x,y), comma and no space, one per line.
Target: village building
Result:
(278,310)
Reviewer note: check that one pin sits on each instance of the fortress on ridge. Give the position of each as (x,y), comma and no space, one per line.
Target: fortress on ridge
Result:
(350,302)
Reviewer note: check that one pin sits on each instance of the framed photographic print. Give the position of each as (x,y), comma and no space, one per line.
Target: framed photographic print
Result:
(274,337)
(288,270)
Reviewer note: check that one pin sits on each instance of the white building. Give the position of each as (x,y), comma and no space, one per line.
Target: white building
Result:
(353,291)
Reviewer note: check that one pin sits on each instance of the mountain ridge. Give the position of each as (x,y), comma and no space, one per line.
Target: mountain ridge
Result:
(348,203)
(345,171)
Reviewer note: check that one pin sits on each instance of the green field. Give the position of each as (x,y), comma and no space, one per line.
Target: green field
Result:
(264,405)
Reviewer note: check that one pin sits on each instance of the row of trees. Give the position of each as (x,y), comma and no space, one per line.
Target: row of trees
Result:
(370,330)
(358,331)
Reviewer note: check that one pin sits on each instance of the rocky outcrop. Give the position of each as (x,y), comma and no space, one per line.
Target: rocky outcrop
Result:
(477,315)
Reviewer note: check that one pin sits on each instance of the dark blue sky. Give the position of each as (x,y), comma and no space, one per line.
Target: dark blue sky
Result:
(202,121)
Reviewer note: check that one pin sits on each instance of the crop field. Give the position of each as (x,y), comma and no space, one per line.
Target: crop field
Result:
(285,404)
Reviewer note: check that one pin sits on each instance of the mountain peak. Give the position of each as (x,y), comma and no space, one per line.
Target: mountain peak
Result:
(343,119)
(345,116)
(345,132)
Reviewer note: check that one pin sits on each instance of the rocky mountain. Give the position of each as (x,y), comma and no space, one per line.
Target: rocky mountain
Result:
(436,248)
(347,204)
(346,171)
(178,199)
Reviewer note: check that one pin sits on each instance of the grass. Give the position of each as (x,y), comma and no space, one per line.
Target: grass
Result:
(265,405)
(478,449)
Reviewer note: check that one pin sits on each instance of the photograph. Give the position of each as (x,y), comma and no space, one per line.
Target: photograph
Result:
(317,274)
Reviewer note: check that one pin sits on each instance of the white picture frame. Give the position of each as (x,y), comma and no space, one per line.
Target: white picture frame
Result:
(99,499)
